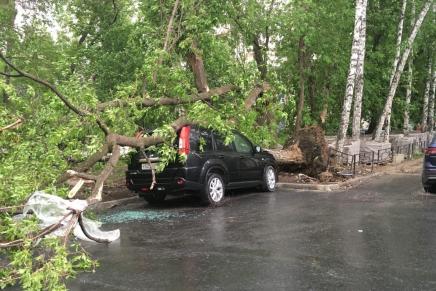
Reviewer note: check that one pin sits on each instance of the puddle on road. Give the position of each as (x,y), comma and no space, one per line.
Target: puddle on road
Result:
(138,215)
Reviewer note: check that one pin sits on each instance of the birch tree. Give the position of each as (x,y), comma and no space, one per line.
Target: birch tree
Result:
(356,50)
(425,103)
(396,60)
(406,118)
(357,111)
(431,102)
(399,71)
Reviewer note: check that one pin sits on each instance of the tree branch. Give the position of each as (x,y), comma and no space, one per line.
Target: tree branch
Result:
(53,88)
(147,102)
(11,75)
(12,125)
(254,94)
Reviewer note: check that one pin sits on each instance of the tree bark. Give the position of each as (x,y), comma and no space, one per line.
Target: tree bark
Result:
(393,87)
(432,102)
(399,40)
(260,57)
(425,108)
(301,68)
(195,61)
(358,95)
(254,94)
(406,119)
(396,60)
(351,79)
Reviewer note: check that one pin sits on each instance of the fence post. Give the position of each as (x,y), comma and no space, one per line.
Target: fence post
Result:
(372,162)
(354,165)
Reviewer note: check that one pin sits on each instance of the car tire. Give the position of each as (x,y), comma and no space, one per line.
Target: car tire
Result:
(213,191)
(269,179)
(155,198)
(430,189)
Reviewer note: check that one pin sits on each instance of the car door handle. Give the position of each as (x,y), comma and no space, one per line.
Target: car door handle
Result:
(221,156)
(241,157)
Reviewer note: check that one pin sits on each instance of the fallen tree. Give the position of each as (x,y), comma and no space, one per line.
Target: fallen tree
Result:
(306,151)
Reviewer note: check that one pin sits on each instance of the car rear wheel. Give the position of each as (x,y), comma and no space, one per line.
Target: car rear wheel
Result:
(213,192)
(430,189)
(269,179)
(155,198)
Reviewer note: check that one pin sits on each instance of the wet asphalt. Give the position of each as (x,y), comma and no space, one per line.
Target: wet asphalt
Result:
(378,236)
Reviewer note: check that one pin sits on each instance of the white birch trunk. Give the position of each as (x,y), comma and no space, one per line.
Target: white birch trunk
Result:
(399,71)
(358,95)
(349,91)
(395,64)
(431,103)
(406,119)
(399,40)
(426,98)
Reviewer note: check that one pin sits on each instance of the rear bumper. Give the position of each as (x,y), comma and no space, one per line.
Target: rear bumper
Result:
(429,176)
(140,181)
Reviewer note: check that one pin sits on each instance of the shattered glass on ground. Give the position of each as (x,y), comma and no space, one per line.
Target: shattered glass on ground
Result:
(137,215)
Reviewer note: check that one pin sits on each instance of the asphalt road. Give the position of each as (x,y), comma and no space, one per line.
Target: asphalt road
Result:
(378,236)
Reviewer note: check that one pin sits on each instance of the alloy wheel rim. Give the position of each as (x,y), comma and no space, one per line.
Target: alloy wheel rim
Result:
(216,189)
(271,178)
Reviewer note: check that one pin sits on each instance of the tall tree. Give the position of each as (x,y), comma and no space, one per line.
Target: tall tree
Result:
(425,103)
(358,96)
(396,59)
(431,102)
(356,51)
(406,117)
(395,81)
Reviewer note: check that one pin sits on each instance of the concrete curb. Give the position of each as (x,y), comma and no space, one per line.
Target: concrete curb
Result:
(114,203)
(327,187)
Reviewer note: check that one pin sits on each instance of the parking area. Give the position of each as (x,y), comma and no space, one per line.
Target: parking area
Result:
(377,236)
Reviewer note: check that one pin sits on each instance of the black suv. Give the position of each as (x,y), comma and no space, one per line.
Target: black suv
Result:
(211,167)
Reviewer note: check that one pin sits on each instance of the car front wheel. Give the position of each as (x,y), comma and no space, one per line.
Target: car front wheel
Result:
(269,179)
(213,192)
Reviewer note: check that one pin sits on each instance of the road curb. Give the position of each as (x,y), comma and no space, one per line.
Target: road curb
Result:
(327,187)
(114,203)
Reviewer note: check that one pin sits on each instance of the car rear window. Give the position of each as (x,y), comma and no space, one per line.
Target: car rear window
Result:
(201,140)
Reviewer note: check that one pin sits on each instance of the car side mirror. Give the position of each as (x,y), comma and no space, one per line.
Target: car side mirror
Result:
(257,149)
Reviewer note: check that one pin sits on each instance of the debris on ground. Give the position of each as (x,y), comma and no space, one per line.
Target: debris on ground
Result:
(53,210)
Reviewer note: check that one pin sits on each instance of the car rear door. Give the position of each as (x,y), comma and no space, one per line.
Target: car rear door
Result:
(249,166)
(227,153)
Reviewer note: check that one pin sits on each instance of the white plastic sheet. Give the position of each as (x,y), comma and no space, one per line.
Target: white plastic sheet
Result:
(50,209)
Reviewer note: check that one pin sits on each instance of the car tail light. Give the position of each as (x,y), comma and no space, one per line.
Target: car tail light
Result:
(430,151)
(184,146)
(180,181)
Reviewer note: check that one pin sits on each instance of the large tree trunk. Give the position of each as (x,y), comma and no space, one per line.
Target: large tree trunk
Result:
(301,68)
(357,110)
(396,60)
(395,81)
(260,57)
(425,108)
(406,118)
(351,79)
(197,66)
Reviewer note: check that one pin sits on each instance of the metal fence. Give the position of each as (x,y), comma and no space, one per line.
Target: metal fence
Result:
(349,165)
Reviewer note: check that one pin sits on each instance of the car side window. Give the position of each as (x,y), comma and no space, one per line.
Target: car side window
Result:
(242,145)
(221,146)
